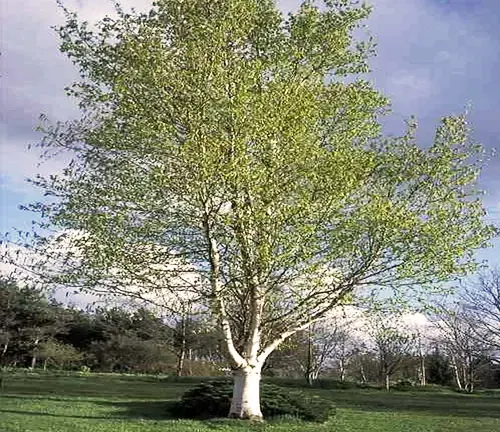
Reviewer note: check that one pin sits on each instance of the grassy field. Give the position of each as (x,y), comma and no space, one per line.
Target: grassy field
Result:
(114,403)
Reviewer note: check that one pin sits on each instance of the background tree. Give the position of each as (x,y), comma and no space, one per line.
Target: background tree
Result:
(8,325)
(364,365)
(313,349)
(393,344)
(27,318)
(482,300)
(348,345)
(238,154)
(57,353)
(422,354)
(459,340)
(322,344)
(438,368)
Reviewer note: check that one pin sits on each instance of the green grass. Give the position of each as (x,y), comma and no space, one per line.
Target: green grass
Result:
(115,403)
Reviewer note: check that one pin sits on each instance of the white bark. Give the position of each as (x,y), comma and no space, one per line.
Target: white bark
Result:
(342,370)
(456,372)
(4,349)
(362,372)
(423,374)
(246,394)
(220,306)
(34,356)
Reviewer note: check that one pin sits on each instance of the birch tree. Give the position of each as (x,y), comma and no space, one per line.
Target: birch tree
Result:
(243,145)
(316,347)
(458,336)
(393,343)
(482,301)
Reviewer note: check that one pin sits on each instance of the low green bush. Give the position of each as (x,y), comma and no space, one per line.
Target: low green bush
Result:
(403,385)
(213,399)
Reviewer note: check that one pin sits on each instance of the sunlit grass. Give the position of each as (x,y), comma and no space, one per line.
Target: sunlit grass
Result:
(112,403)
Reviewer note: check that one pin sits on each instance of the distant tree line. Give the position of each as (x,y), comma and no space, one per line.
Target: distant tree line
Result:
(38,332)
(388,357)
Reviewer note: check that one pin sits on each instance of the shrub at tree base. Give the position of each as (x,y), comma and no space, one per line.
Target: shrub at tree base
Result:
(213,399)
(404,384)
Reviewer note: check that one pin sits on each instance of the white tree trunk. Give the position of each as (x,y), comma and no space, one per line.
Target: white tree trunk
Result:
(454,366)
(362,373)
(342,370)
(423,373)
(4,350)
(246,394)
(34,356)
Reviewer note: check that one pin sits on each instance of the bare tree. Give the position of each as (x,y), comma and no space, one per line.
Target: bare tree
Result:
(482,301)
(393,344)
(327,342)
(347,347)
(421,352)
(459,340)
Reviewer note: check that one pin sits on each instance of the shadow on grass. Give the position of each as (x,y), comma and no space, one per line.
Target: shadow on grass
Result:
(438,405)
(218,423)
(147,410)
(95,386)
(45,414)
(442,404)
(160,410)
(150,410)
(137,398)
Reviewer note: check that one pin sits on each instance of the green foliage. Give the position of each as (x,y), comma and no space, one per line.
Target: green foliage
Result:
(213,399)
(58,354)
(84,370)
(116,339)
(404,385)
(27,318)
(131,354)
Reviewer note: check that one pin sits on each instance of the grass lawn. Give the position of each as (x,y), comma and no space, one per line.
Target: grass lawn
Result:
(112,403)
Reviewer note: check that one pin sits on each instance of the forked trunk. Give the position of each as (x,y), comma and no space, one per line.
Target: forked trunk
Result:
(309,378)
(246,394)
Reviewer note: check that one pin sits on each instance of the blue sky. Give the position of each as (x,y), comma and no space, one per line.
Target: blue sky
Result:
(434,58)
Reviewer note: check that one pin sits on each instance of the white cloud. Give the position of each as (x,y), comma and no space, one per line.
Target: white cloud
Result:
(165,287)
(416,85)
(18,163)
(33,79)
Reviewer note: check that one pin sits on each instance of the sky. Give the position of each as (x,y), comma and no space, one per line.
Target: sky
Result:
(435,57)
